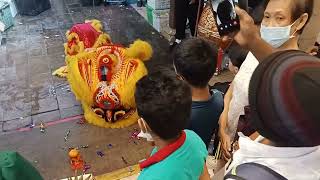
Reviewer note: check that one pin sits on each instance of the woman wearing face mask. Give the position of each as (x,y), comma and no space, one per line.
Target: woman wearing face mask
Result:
(281,26)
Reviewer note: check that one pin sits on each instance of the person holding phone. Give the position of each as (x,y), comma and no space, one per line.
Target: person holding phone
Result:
(280,29)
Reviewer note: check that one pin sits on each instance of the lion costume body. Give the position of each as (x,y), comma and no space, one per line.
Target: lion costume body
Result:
(103,78)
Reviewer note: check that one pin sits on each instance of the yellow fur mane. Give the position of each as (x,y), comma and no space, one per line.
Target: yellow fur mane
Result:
(126,88)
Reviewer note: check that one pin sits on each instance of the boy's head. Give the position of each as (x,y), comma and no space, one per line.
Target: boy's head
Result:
(237,55)
(284,99)
(164,102)
(195,61)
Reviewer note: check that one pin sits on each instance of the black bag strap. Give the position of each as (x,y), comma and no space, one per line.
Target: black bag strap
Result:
(253,171)
(234,177)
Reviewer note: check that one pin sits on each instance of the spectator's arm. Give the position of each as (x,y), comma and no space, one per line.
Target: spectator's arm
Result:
(249,36)
(261,49)
(224,115)
(223,123)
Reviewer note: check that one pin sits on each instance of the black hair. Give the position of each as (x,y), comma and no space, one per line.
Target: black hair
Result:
(237,54)
(300,7)
(256,10)
(195,60)
(164,102)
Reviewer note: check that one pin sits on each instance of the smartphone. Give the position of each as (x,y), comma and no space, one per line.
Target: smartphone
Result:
(226,18)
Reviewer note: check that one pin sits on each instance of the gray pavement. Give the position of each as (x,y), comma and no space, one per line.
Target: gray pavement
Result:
(33,49)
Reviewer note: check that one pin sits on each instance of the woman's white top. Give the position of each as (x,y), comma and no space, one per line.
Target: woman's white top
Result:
(240,93)
(301,163)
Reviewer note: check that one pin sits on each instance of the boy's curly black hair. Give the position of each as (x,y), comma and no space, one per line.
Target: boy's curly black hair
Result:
(195,60)
(164,102)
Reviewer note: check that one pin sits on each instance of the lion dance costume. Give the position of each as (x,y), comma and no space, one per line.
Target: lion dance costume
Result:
(103,75)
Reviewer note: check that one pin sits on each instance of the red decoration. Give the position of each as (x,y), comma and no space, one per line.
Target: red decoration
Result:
(164,152)
(87,34)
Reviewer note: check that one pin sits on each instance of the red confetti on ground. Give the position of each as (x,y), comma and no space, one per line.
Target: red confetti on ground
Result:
(81,121)
(86,167)
(134,135)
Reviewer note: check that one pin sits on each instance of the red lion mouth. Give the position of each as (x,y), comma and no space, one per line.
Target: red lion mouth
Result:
(113,115)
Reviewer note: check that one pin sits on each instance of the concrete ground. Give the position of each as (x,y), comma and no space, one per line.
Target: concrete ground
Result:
(48,151)
(31,50)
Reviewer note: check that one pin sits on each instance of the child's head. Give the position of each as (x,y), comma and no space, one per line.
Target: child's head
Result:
(164,103)
(237,55)
(284,97)
(195,61)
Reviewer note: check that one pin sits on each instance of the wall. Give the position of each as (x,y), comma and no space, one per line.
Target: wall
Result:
(312,30)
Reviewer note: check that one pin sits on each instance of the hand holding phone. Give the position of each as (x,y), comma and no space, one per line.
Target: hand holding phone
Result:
(249,33)
(227,19)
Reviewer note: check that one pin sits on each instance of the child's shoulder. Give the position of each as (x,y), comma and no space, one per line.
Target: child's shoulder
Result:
(190,157)
(194,140)
(191,134)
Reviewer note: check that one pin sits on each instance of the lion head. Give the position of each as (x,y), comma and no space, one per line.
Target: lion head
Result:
(104,79)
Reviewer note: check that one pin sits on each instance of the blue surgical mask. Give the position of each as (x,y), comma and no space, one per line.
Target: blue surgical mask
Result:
(276,36)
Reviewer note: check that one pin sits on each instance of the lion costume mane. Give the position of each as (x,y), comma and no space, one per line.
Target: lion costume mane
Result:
(103,75)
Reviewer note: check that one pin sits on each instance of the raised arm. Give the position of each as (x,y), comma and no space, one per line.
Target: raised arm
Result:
(249,37)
